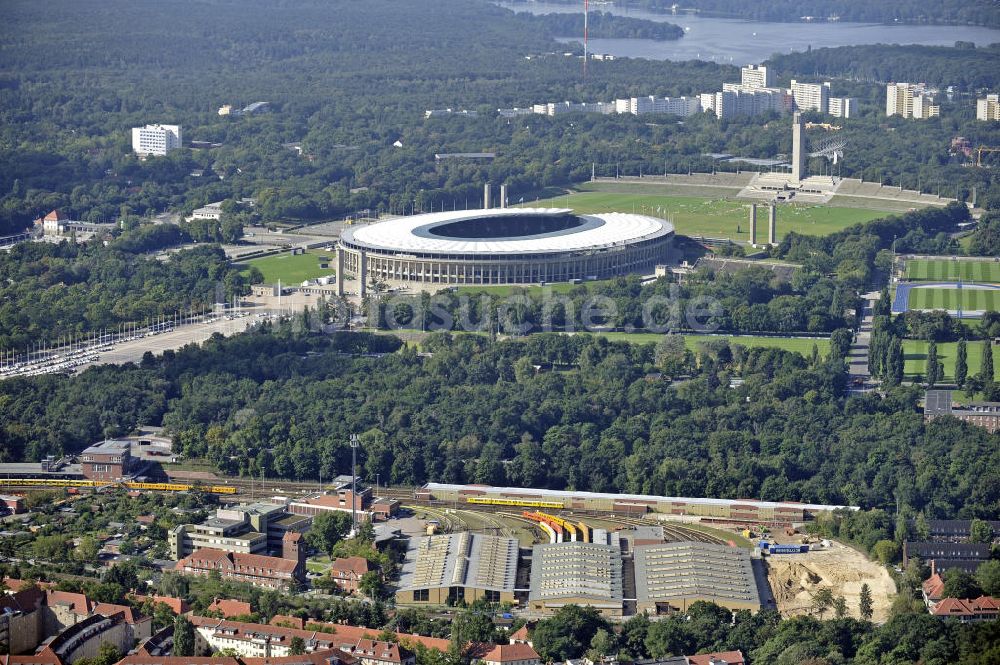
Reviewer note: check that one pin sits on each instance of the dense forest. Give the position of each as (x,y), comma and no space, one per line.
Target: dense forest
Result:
(283,403)
(964,67)
(347,81)
(976,12)
(51,291)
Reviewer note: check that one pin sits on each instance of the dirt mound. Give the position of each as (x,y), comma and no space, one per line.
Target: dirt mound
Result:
(795,578)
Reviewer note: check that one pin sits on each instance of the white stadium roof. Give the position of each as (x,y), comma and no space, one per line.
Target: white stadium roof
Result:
(411,234)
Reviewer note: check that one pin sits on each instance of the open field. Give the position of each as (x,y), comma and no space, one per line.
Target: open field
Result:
(915,357)
(795,578)
(948,270)
(796,344)
(966,299)
(717,218)
(292,269)
(887,206)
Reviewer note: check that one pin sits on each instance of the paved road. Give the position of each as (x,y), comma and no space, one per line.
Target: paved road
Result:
(157,344)
(857,358)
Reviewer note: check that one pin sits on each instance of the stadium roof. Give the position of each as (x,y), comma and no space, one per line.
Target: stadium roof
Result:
(412,234)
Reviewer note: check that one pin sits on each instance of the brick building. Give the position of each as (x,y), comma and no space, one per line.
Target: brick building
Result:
(263,571)
(981,414)
(347,572)
(511,654)
(107,460)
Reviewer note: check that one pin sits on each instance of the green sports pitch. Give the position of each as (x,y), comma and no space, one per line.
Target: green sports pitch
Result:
(801,345)
(716,218)
(950,270)
(292,268)
(915,357)
(967,299)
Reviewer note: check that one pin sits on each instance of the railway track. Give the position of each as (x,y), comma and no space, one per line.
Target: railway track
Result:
(448,513)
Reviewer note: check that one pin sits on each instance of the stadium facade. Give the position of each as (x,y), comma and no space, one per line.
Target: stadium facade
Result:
(504,246)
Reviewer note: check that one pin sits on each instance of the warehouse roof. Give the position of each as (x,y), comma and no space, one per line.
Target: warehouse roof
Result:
(576,570)
(460,559)
(694,570)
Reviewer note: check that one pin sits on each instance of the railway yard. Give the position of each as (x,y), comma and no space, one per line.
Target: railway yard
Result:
(787,582)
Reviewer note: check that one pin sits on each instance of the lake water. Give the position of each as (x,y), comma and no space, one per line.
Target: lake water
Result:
(741,42)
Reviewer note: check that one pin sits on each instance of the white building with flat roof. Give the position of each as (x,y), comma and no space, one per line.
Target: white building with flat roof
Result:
(682,106)
(156,139)
(843,107)
(737,100)
(811,96)
(988,108)
(756,76)
(910,100)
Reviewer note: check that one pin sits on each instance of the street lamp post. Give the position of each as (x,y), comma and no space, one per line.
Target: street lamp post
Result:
(354,484)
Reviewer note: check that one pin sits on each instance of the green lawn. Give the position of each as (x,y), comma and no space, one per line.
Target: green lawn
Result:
(717,218)
(915,356)
(318,564)
(948,270)
(796,344)
(293,269)
(953,299)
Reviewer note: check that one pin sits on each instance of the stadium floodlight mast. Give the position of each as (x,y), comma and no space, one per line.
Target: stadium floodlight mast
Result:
(354,484)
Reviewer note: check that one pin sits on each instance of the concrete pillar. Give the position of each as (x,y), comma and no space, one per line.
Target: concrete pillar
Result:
(363,274)
(753,224)
(340,271)
(798,149)
(772,225)
(503,196)
(486,196)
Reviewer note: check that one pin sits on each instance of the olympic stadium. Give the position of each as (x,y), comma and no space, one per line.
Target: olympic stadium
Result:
(504,246)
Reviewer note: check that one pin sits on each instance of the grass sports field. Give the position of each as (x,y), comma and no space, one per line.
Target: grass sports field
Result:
(947,270)
(796,344)
(718,218)
(291,269)
(966,299)
(915,357)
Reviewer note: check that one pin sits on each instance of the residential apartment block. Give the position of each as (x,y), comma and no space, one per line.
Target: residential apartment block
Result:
(988,108)
(155,139)
(269,572)
(910,100)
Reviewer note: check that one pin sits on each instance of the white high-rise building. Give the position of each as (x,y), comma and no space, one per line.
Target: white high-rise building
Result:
(756,76)
(843,107)
(682,106)
(988,108)
(735,100)
(707,101)
(156,139)
(811,96)
(910,101)
(924,107)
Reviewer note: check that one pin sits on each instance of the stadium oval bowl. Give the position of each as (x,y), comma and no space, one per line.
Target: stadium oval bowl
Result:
(506,246)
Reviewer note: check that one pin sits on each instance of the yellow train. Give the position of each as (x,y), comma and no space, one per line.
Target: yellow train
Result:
(487,501)
(156,487)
